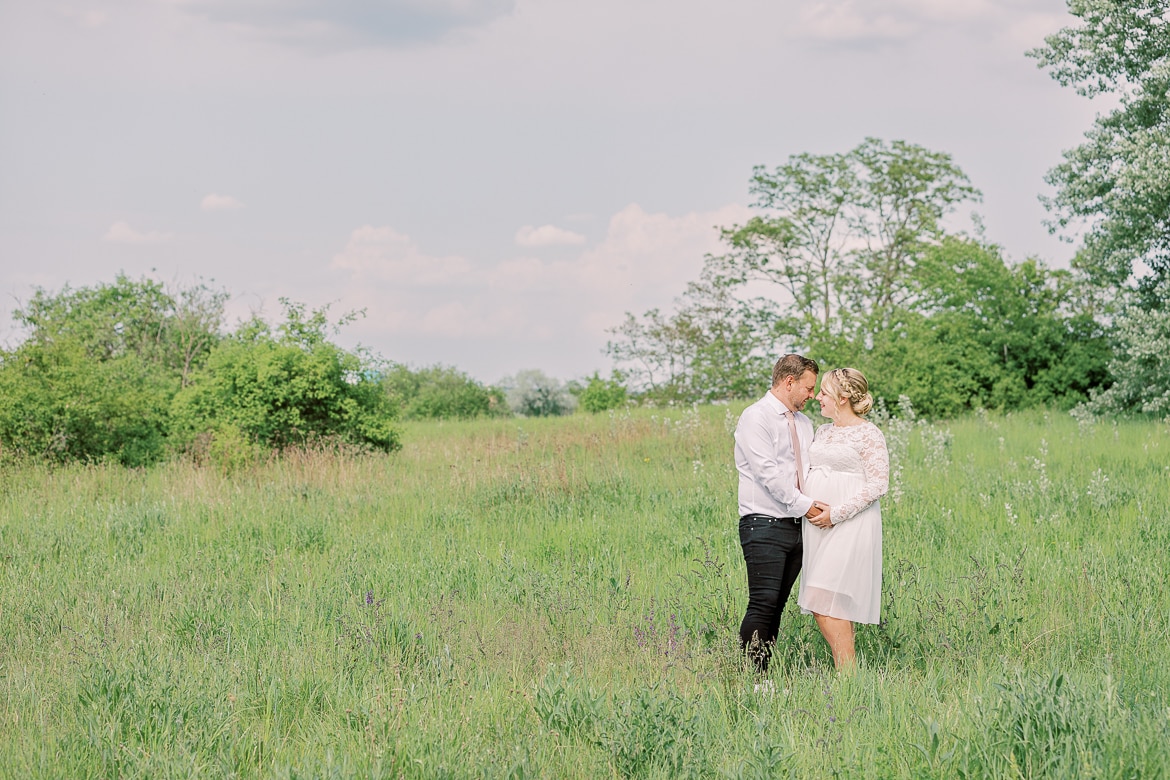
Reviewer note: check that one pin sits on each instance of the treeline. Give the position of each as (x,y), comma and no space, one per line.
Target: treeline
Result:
(850,262)
(132,372)
(853,259)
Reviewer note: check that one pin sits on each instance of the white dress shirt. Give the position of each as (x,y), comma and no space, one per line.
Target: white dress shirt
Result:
(766,463)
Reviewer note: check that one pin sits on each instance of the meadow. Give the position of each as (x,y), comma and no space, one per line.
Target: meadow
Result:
(560,598)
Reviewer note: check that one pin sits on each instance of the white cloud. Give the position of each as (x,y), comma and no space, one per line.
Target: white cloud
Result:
(645,260)
(384,254)
(547,235)
(122,233)
(215,202)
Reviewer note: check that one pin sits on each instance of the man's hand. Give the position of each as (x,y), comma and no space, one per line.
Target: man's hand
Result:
(820,515)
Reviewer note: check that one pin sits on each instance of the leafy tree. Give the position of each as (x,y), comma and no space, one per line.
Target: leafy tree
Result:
(600,395)
(1140,363)
(532,394)
(714,346)
(172,330)
(841,235)
(988,333)
(1118,180)
(287,387)
(440,392)
(95,377)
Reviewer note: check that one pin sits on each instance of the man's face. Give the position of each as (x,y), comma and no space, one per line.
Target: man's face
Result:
(795,392)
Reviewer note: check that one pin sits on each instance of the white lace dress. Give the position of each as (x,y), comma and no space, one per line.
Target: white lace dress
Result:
(842,573)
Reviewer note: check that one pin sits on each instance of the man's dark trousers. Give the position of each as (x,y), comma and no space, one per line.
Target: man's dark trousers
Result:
(772,550)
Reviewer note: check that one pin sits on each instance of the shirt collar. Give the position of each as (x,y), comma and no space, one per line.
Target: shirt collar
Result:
(777,404)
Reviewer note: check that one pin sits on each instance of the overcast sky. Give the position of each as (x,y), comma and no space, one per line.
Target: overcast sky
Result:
(494,181)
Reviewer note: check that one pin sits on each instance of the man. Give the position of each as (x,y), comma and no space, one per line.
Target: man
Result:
(771,455)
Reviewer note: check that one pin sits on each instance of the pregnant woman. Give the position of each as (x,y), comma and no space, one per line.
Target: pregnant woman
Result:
(850,470)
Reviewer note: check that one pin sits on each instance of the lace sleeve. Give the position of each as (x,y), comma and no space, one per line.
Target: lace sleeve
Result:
(875,459)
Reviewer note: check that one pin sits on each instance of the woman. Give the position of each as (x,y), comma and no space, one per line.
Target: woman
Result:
(841,583)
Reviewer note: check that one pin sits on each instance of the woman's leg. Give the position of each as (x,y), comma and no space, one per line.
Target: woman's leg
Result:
(839,634)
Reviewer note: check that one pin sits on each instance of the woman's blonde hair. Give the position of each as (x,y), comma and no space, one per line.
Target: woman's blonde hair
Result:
(850,384)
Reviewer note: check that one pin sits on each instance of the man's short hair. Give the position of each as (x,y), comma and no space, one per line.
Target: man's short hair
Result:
(793,365)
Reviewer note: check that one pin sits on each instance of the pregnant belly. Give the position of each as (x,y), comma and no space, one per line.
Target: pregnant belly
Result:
(832,487)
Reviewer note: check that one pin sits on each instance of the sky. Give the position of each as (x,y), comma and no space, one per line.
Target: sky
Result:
(494,182)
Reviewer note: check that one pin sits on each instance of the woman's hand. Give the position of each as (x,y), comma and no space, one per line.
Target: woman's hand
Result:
(822,519)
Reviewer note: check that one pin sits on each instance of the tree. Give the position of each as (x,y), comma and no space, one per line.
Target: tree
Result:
(95,377)
(532,394)
(172,330)
(1140,363)
(1118,181)
(714,346)
(989,333)
(841,234)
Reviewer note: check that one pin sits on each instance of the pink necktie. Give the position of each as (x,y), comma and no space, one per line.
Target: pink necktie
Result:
(796,450)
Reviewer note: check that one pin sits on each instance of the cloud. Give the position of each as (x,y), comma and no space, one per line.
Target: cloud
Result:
(547,235)
(122,233)
(645,260)
(214,202)
(383,254)
(348,23)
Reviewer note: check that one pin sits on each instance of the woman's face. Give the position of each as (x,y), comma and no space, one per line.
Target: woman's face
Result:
(828,400)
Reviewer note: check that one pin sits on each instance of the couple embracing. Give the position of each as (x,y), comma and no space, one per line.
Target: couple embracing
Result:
(811,501)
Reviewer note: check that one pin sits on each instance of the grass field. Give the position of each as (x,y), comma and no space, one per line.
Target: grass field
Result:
(560,598)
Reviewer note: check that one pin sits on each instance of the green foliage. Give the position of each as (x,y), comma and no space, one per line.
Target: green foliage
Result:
(1054,726)
(713,347)
(988,334)
(290,387)
(172,331)
(95,377)
(840,235)
(600,395)
(440,393)
(59,403)
(1140,361)
(1118,180)
(864,275)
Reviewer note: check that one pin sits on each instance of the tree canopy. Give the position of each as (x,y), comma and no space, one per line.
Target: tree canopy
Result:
(1117,183)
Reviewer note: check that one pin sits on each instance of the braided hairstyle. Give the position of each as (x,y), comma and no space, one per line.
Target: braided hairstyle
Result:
(851,385)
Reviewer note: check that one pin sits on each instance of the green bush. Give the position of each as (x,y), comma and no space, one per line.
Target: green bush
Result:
(599,395)
(440,392)
(60,404)
(290,387)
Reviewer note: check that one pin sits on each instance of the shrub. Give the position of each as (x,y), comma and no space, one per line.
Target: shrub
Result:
(599,395)
(60,404)
(440,392)
(286,388)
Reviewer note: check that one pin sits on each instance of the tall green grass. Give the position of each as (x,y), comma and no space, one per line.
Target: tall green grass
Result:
(560,598)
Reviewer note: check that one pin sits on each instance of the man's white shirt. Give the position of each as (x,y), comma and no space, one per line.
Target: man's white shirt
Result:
(766,462)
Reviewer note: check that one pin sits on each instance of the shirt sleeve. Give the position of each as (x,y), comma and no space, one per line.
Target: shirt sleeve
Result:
(875,460)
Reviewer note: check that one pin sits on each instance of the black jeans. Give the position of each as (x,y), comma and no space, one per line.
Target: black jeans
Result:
(772,550)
